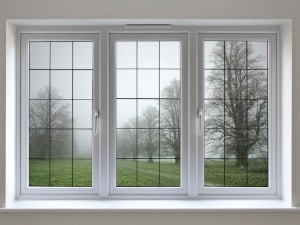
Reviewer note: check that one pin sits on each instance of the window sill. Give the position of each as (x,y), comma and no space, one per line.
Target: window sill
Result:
(150,205)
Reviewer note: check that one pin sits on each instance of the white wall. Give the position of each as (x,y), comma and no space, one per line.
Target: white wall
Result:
(159,9)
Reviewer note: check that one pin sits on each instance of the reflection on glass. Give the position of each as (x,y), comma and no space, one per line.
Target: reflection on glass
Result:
(126,113)
(39,84)
(83,55)
(170,54)
(61,114)
(170,84)
(61,84)
(82,84)
(213,55)
(61,158)
(82,114)
(61,55)
(258,55)
(39,113)
(148,54)
(39,55)
(148,113)
(126,54)
(148,144)
(148,83)
(126,143)
(126,83)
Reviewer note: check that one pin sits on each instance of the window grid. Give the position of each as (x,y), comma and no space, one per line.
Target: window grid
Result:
(49,98)
(136,158)
(247,128)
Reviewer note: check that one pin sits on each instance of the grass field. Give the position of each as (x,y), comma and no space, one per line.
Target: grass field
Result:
(131,173)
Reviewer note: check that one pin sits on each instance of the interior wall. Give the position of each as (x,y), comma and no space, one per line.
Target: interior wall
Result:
(158,9)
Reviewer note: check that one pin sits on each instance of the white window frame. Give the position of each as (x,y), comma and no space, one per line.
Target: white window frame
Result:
(192,183)
(273,116)
(25,189)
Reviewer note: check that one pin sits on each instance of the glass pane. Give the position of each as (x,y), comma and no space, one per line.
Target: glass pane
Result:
(236,86)
(148,54)
(236,112)
(214,54)
(61,158)
(61,55)
(170,84)
(258,114)
(39,157)
(82,84)
(82,158)
(61,84)
(126,83)
(257,84)
(126,113)
(39,84)
(214,84)
(39,55)
(169,173)
(82,114)
(148,144)
(235,55)
(214,143)
(126,54)
(170,54)
(258,140)
(170,143)
(147,173)
(61,113)
(126,143)
(83,55)
(214,114)
(236,143)
(170,110)
(258,55)
(39,114)
(235,174)
(148,114)
(214,173)
(148,83)
(126,173)
(258,172)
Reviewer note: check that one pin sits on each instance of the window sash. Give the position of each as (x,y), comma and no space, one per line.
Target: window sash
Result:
(25,189)
(184,102)
(273,117)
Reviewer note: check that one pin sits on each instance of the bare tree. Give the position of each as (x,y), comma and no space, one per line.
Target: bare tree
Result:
(148,138)
(239,109)
(45,114)
(170,118)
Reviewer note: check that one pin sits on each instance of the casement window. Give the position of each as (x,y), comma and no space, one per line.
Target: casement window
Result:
(121,124)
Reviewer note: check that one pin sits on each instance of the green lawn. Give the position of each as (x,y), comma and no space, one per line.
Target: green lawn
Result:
(141,173)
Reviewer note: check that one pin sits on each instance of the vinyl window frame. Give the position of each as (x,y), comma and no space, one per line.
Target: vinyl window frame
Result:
(194,188)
